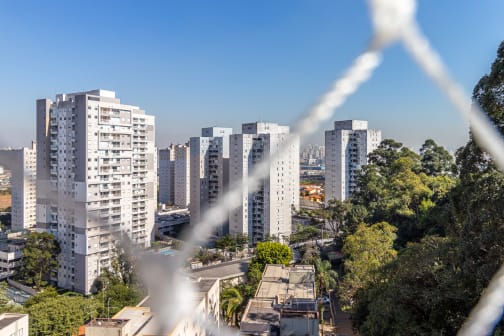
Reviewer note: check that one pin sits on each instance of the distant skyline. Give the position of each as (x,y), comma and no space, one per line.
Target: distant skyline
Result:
(195,64)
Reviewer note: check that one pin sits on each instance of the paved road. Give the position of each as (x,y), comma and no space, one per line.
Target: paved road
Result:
(342,322)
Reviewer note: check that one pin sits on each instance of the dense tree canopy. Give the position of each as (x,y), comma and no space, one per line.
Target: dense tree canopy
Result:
(366,251)
(39,258)
(62,315)
(436,160)
(396,189)
(442,270)
(415,293)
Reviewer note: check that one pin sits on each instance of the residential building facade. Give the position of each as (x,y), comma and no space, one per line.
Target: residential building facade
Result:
(145,320)
(14,324)
(209,171)
(96,180)
(23,166)
(346,151)
(166,172)
(182,188)
(266,211)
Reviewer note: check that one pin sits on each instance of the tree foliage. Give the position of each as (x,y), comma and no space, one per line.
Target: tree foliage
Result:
(231,243)
(416,293)
(396,189)
(436,160)
(366,251)
(326,276)
(431,287)
(272,253)
(124,265)
(232,301)
(39,259)
(305,233)
(61,315)
(334,214)
(117,296)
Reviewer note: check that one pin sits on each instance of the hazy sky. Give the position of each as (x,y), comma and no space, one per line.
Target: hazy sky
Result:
(200,63)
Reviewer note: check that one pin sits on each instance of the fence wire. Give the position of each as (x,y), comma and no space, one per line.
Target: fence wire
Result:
(393,22)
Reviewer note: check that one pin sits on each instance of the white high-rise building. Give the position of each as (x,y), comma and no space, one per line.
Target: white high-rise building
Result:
(209,170)
(23,166)
(96,174)
(266,211)
(182,189)
(346,150)
(166,172)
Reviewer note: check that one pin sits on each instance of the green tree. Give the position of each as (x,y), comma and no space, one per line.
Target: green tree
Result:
(326,277)
(47,293)
(335,213)
(225,242)
(40,259)
(387,152)
(471,159)
(62,315)
(419,293)
(436,160)
(124,264)
(254,273)
(305,233)
(393,188)
(366,251)
(4,299)
(232,302)
(432,285)
(272,253)
(310,254)
(117,296)
(242,240)
(206,256)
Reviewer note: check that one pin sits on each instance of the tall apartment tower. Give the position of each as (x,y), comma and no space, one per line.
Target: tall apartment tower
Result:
(209,171)
(182,189)
(166,173)
(266,211)
(23,165)
(96,174)
(346,150)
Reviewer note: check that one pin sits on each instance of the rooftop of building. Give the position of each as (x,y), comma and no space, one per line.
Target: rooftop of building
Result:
(259,316)
(7,318)
(200,285)
(223,270)
(351,125)
(283,289)
(283,282)
(143,321)
(108,323)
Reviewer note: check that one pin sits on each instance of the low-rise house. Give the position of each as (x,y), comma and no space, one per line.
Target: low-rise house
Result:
(11,256)
(13,324)
(143,321)
(284,303)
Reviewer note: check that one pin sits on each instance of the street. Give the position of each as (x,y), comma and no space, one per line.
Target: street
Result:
(342,321)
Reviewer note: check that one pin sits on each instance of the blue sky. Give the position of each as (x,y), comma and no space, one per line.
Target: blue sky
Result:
(199,63)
